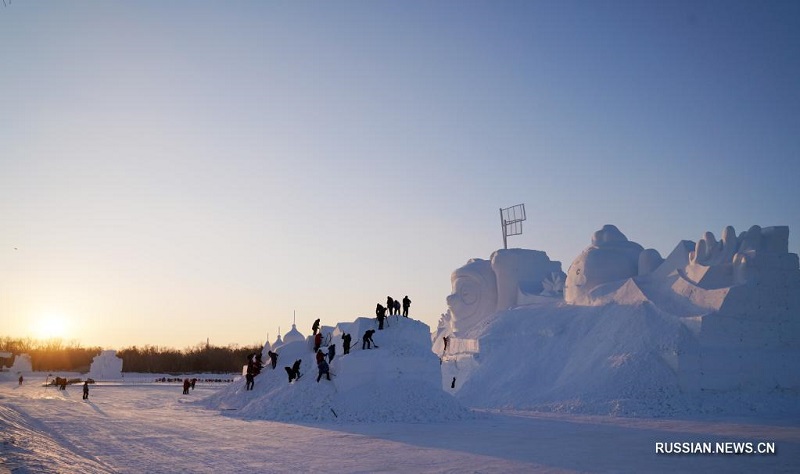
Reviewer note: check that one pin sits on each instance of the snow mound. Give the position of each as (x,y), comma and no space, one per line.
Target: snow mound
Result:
(617,359)
(399,381)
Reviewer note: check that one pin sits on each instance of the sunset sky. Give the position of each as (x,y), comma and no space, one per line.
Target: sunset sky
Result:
(176,171)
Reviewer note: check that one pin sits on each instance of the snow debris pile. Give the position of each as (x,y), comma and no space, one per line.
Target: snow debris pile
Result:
(398,381)
(711,328)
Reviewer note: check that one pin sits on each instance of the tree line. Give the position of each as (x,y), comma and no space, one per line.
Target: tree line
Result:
(56,355)
(51,354)
(200,358)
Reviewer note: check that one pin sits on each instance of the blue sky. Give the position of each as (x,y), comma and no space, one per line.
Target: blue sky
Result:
(182,170)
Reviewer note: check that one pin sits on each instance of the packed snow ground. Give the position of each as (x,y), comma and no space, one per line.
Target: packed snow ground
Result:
(154,428)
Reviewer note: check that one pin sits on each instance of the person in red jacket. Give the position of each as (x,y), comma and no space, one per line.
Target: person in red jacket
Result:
(317,341)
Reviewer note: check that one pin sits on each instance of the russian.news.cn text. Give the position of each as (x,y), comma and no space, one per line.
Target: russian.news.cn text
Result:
(758,448)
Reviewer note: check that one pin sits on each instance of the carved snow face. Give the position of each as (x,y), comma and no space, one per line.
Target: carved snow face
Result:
(474,292)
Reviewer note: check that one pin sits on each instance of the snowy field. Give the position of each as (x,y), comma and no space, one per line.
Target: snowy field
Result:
(154,428)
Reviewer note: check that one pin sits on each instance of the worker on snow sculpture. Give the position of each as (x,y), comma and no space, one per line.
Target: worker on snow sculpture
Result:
(315,327)
(273,358)
(324,369)
(331,352)
(294,370)
(366,340)
(380,313)
(346,338)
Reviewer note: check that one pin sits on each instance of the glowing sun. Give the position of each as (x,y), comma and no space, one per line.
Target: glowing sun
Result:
(51,325)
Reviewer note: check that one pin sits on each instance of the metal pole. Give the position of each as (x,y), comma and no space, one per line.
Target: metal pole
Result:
(503,227)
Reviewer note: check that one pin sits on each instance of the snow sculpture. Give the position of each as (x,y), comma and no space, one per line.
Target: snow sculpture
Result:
(649,260)
(106,366)
(611,257)
(474,293)
(717,317)
(399,382)
(482,287)
(293,335)
(737,260)
(521,270)
(22,363)
(708,264)
(553,285)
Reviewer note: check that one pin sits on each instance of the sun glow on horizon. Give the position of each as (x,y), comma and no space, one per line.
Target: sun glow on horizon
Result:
(50,326)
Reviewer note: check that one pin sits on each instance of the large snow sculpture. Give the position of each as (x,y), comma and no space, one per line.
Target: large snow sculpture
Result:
(106,366)
(474,293)
(712,317)
(482,287)
(611,257)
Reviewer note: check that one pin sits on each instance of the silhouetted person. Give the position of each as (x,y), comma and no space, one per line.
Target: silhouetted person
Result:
(317,341)
(446,342)
(86,390)
(346,342)
(366,340)
(406,304)
(397,307)
(453,383)
(380,313)
(294,370)
(251,363)
(20,380)
(273,357)
(324,369)
(194,381)
(186,385)
(315,327)
(258,365)
(390,304)
(331,352)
